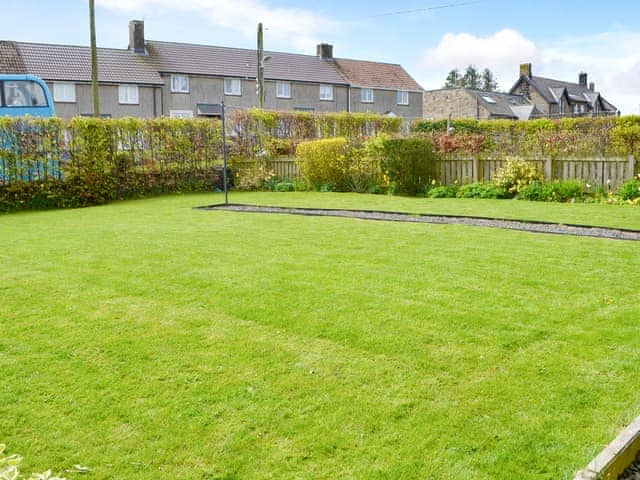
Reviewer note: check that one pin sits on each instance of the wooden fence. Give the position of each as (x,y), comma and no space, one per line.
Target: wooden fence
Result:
(599,171)
(609,172)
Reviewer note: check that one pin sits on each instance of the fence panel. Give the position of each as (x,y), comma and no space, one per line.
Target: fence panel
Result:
(609,172)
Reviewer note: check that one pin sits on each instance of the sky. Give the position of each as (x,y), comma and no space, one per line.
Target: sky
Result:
(560,38)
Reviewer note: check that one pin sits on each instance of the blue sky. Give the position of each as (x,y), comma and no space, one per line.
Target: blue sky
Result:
(560,38)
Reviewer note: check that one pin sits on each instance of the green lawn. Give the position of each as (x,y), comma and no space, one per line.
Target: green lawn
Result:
(148,340)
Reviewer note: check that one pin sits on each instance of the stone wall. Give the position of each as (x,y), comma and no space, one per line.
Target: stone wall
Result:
(438,104)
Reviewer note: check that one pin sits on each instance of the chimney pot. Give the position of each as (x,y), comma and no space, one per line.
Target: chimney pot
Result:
(324,51)
(136,37)
(582,79)
(526,70)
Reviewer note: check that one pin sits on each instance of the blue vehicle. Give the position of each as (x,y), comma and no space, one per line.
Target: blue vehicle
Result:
(22,95)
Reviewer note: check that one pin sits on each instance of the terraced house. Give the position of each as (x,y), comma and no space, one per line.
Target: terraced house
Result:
(155,78)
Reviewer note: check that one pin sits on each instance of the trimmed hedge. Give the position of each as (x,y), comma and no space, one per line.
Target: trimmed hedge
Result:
(53,163)
(607,136)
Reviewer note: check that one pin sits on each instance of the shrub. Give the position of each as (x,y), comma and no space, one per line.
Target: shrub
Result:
(337,165)
(630,190)
(406,163)
(535,191)
(325,162)
(443,191)
(516,175)
(480,190)
(564,190)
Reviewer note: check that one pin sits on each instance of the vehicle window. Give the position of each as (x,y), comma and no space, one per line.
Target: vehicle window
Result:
(24,93)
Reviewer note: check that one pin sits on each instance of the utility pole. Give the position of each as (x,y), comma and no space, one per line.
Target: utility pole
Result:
(94,60)
(260,77)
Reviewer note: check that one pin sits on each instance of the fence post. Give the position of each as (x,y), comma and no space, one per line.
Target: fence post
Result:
(632,166)
(476,168)
(548,169)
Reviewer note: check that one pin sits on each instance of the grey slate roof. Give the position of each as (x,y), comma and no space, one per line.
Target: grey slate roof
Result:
(73,63)
(551,90)
(504,105)
(10,61)
(170,57)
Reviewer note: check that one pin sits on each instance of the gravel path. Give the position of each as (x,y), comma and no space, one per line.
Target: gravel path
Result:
(527,226)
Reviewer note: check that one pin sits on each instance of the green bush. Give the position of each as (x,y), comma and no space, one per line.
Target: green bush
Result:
(535,191)
(335,164)
(630,190)
(564,190)
(53,163)
(443,191)
(480,190)
(516,175)
(406,163)
(325,162)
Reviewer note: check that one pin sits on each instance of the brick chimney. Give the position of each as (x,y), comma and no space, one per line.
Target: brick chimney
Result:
(324,51)
(582,79)
(136,37)
(526,70)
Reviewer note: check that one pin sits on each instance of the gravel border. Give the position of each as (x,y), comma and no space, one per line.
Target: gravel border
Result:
(521,225)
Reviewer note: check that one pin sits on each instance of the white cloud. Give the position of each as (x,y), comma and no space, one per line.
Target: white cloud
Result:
(610,58)
(300,28)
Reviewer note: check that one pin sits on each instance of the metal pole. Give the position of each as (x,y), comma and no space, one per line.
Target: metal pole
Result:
(260,67)
(224,158)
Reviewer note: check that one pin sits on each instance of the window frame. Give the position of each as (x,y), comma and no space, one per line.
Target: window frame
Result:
(362,95)
(129,88)
(181,114)
(60,88)
(327,87)
(176,90)
(404,93)
(289,88)
(232,92)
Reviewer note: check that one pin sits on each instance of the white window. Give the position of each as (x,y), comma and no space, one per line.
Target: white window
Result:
(326,92)
(128,94)
(283,89)
(179,84)
(232,86)
(403,97)
(180,113)
(366,95)
(64,92)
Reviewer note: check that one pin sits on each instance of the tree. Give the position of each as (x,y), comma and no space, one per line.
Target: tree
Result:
(94,59)
(489,82)
(454,79)
(472,78)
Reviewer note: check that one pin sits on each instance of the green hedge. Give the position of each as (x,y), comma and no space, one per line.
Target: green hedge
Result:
(259,133)
(54,163)
(607,136)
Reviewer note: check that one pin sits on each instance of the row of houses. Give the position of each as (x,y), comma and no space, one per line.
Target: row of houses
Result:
(157,78)
(530,97)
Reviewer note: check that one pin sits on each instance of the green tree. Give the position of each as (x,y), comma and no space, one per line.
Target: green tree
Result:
(454,79)
(472,77)
(489,82)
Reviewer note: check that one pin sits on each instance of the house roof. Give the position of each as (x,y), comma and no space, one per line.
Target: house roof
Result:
(10,61)
(170,57)
(73,63)
(505,105)
(362,73)
(551,90)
